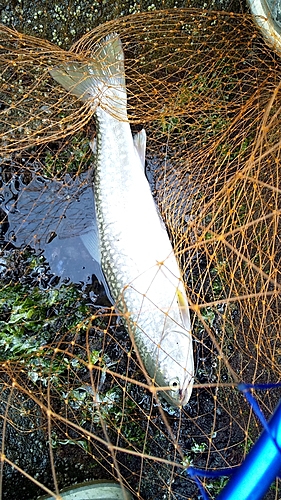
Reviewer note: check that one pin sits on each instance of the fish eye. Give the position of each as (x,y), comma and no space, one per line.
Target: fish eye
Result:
(174,384)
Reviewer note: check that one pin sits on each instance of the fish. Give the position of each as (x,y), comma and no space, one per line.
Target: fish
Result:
(137,257)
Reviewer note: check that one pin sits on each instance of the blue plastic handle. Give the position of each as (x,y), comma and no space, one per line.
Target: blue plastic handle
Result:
(261,466)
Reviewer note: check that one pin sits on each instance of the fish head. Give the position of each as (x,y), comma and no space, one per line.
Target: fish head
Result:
(175,367)
(179,392)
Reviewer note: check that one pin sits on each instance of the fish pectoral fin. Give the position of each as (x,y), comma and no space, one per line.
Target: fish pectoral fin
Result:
(92,244)
(93,145)
(184,309)
(140,145)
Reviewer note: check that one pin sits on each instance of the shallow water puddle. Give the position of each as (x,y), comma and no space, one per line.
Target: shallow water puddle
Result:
(53,217)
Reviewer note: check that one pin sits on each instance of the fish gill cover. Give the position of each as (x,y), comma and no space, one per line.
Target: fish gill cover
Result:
(75,403)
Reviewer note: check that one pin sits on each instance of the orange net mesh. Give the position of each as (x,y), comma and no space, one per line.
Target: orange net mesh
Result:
(207,90)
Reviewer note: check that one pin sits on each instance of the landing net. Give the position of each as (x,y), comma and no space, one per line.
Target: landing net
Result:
(207,90)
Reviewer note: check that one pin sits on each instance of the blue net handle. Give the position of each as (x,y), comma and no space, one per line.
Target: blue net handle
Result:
(252,479)
(261,466)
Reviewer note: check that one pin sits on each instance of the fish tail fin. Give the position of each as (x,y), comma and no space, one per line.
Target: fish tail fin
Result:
(101,81)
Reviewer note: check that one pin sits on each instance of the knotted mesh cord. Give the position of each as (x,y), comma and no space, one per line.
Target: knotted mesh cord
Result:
(207,90)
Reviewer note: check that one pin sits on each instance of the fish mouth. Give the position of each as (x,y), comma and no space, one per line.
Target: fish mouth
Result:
(180,396)
(185,392)
(177,398)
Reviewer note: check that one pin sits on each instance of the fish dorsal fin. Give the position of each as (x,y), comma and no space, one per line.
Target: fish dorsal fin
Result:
(140,145)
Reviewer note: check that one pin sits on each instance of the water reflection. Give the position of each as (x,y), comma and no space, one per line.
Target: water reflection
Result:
(56,219)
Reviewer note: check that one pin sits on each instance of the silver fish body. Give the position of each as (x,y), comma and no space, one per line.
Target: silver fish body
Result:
(136,254)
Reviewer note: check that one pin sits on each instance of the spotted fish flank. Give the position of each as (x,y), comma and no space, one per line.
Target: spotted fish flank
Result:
(136,254)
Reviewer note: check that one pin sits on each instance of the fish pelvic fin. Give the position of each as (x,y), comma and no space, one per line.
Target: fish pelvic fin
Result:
(100,81)
(184,309)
